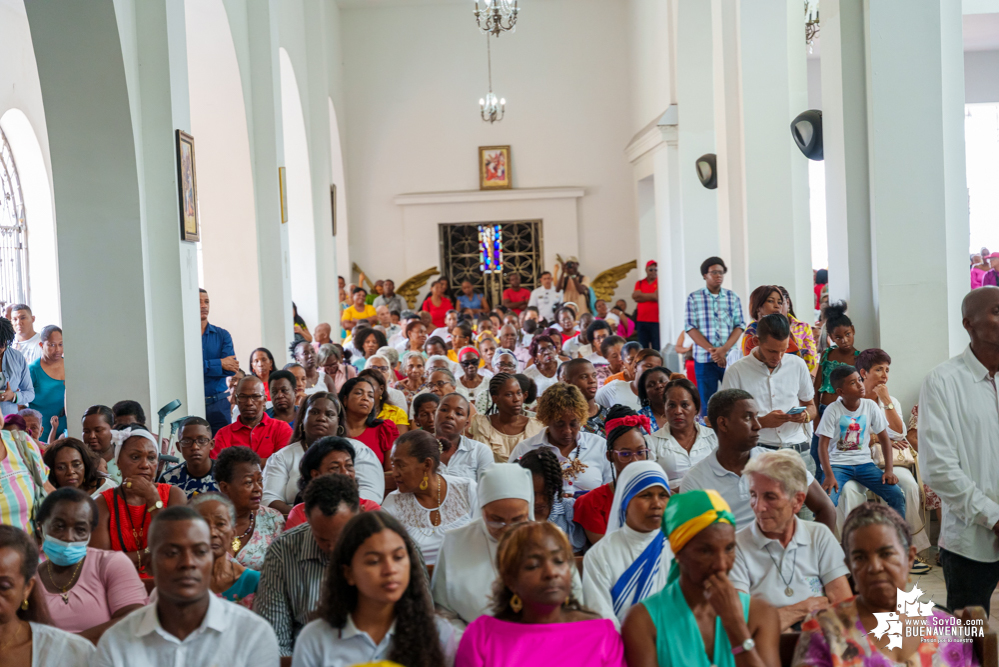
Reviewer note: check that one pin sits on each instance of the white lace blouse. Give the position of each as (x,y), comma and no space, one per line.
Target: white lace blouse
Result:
(457,508)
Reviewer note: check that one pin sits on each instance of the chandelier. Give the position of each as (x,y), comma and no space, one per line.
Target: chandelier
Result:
(496,16)
(811,23)
(491,108)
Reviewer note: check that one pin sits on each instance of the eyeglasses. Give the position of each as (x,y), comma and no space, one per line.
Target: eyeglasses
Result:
(499,525)
(507,367)
(249,397)
(716,273)
(438,385)
(639,455)
(201,442)
(470,362)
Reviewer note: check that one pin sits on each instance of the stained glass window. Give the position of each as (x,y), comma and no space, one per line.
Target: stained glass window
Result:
(490,249)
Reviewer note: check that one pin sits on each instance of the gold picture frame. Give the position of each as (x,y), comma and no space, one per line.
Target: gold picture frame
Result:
(333,205)
(495,171)
(187,187)
(283,191)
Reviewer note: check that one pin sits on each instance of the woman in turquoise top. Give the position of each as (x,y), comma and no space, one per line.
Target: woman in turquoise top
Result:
(699,607)
(48,375)
(230,580)
(842,353)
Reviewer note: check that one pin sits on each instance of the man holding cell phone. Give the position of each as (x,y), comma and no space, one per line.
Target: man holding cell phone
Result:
(782,387)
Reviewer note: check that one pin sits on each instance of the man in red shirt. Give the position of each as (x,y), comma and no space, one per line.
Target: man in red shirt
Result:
(253,428)
(646,295)
(516,297)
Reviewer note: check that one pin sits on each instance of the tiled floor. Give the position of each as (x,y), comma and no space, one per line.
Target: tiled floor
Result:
(933,587)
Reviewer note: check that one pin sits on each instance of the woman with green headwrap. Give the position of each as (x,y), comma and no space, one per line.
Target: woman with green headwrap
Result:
(699,607)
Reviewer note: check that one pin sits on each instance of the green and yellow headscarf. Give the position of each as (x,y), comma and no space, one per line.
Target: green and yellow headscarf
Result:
(689,513)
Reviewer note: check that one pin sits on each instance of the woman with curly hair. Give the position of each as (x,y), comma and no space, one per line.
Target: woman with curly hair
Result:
(376,604)
(536,620)
(583,456)
(504,425)
(549,505)
(72,463)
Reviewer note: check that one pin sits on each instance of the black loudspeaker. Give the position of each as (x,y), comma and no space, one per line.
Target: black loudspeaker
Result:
(807,132)
(707,170)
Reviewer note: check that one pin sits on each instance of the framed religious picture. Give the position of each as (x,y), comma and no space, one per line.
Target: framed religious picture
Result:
(283,192)
(187,179)
(494,168)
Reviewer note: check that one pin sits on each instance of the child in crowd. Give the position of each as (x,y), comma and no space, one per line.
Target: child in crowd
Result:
(844,434)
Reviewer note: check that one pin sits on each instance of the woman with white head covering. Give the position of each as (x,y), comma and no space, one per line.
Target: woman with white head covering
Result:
(466,563)
(632,560)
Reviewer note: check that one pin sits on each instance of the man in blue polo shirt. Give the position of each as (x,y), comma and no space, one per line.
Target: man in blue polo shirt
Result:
(219,362)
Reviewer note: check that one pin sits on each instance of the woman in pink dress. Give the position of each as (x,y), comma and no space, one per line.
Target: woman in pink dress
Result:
(536,620)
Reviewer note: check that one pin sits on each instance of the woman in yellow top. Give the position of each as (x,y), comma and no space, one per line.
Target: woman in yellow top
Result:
(386,410)
(358,310)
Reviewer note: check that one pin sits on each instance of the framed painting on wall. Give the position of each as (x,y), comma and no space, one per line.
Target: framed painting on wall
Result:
(187,180)
(333,205)
(494,168)
(283,192)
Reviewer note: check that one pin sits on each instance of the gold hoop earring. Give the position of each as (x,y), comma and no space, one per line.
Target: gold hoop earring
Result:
(516,604)
(24,605)
(567,599)
(425,483)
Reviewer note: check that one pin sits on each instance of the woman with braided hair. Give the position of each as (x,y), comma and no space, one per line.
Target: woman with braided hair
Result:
(563,411)
(626,431)
(505,425)
(549,505)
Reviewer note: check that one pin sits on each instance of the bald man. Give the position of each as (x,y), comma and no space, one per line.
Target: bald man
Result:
(959,454)
(253,428)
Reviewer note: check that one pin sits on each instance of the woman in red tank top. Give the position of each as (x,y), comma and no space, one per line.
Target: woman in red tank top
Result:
(126,512)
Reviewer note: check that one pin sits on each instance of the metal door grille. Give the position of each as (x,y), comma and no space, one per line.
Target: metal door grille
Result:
(13,231)
(522,253)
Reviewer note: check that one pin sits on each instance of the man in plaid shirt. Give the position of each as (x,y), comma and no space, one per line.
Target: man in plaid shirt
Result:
(714,321)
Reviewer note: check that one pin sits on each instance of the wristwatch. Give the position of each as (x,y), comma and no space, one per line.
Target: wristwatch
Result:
(157,506)
(747,645)
(890,406)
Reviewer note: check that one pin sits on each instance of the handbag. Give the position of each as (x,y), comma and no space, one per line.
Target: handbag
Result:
(904,458)
(19,441)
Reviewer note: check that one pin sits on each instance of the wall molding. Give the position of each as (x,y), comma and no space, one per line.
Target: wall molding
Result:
(487,196)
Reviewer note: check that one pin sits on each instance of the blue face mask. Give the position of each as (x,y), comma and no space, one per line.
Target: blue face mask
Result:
(64,553)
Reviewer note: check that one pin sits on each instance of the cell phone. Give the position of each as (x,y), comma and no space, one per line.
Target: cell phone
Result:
(794,411)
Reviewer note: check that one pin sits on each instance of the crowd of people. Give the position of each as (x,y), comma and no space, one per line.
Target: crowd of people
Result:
(536,483)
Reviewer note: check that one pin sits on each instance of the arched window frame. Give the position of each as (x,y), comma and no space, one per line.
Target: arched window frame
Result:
(13,231)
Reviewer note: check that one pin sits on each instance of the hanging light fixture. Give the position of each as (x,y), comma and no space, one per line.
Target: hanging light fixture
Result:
(491,108)
(811,23)
(496,16)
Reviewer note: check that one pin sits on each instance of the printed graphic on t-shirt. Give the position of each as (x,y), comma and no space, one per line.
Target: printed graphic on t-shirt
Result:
(851,433)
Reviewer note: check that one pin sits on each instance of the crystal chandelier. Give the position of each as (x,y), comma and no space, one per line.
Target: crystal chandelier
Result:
(496,16)
(811,23)
(491,108)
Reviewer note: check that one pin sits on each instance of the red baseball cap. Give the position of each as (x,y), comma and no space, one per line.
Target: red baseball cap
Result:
(652,262)
(994,255)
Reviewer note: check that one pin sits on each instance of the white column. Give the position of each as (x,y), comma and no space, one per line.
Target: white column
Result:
(919,213)
(669,238)
(728,114)
(775,90)
(696,231)
(844,135)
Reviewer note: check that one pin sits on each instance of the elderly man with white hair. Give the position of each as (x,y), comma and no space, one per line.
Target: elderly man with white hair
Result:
(384,361)
(795,565)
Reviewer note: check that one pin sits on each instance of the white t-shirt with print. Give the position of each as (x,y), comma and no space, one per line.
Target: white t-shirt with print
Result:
(850,433)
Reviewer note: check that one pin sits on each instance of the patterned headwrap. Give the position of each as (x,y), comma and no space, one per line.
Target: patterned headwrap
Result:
(689,513)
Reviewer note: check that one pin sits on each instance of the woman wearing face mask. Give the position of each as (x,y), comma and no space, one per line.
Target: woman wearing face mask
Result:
(699,607)
(230,580)
(86,590)
(626,444)
(126,512)
(376,603)
(466,564)
(323,417)
(98,424)
(563,410)
(73,464)
(536,620)
(329,456)
(632,560)
(27,637)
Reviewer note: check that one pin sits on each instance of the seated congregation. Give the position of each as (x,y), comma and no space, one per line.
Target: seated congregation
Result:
(482,487)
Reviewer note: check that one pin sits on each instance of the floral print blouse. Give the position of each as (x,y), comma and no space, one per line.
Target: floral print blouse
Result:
(270,524)
(835,637)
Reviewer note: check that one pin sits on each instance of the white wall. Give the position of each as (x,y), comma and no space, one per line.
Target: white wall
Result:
(413,78)
(652,83)
(22,118)
(981,77)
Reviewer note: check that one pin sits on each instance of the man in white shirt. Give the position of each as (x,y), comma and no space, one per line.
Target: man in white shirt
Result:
(390,329)
(797,566)
(959,454)
(546,298)
(734,416)
(188,625)
(27,341)
(780,383)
